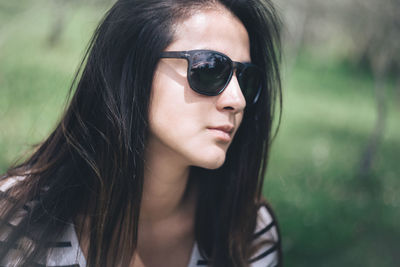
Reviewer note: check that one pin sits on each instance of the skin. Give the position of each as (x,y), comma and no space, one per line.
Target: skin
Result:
(180,137)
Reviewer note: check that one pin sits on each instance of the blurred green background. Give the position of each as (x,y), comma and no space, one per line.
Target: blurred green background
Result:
(333,175)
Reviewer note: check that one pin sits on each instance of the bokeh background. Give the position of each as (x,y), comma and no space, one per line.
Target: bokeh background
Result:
(334,172)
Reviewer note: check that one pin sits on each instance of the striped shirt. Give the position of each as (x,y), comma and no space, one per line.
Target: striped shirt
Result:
(66,252)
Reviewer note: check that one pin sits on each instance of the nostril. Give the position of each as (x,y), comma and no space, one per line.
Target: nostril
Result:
(228,108)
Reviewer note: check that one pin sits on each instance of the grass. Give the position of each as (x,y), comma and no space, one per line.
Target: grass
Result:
(328,216)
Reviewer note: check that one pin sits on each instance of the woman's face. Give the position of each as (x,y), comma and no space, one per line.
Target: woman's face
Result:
(194,129)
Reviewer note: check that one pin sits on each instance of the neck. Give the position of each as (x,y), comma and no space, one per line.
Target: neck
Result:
(166,197)
(164,188)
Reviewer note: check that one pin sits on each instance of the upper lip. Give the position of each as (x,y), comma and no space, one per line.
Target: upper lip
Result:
(225,128)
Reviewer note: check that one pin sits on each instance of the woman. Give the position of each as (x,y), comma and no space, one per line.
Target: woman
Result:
(160,157)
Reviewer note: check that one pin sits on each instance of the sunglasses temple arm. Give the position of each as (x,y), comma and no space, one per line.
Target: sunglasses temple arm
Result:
(173,54)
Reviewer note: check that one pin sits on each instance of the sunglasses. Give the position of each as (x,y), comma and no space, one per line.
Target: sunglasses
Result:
(209,73)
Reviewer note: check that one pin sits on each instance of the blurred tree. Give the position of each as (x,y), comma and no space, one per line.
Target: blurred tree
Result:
(367,32)
(59,8)
(10,13)
(60,11)
(377,33)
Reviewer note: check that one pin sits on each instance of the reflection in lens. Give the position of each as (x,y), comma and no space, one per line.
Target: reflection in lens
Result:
(209,72)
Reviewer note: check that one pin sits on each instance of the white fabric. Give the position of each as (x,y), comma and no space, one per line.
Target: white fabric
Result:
(60,256)
(74,255)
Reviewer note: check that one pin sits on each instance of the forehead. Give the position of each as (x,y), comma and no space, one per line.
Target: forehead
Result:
(215,29)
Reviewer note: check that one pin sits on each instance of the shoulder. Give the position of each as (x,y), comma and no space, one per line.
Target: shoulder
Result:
(266,239)
(61,250)
(65,250)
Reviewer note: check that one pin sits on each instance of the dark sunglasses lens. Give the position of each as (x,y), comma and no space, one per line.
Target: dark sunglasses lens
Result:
(250,82)
(209,72)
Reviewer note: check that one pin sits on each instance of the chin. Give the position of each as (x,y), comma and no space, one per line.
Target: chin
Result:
(211,161)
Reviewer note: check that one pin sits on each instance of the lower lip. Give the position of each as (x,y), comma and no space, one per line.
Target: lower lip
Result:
(221,135)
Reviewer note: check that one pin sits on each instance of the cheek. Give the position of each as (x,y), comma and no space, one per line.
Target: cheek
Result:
(167,108)
(174,121)
(239,118)
(173,114)
(178,120)
(175,106)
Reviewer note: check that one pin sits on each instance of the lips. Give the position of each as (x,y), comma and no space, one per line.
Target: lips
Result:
(222,132)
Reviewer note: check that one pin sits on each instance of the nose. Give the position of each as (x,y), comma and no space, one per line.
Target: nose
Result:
(232,97)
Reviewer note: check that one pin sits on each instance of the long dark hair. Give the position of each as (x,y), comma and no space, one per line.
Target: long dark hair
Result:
(92,163)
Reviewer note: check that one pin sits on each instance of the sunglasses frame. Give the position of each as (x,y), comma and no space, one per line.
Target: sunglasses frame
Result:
(188,55)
